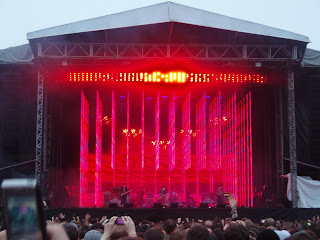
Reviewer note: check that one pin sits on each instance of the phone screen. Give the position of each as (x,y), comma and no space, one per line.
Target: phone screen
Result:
(23,217)
(120,221)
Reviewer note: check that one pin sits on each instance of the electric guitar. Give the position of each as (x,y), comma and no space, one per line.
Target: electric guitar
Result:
(125,193)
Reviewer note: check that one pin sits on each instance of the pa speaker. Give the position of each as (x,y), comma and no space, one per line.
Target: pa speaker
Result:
(113,205)
(204,205)
(174,205)
(157,205)
(128,205)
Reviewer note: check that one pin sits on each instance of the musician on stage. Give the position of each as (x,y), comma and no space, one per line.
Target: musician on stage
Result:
(220,197)
(124,192)
(163,194)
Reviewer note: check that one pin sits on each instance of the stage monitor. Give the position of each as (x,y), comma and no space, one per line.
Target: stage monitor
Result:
(204,205)
(113,205)
(157,205)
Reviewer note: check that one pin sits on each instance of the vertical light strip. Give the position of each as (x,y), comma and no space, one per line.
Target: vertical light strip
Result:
(113,138)
(250,150)
(142,137)
(197,147)
(84,138)
(204,132)
(219,108)
(172,143)
(188,127)
(235,151)
(210,162)
(157,133)
(97,188)
(186,140)
(128,137)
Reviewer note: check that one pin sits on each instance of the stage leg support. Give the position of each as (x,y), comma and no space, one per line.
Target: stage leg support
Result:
(292,137)
(39,133)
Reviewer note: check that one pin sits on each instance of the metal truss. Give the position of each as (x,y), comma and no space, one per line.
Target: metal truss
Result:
(292,138)
(39,127)
(279,138)
(46,146)
(163,51)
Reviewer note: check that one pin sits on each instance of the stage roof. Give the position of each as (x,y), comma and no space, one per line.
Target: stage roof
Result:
(164,13)
(23,55)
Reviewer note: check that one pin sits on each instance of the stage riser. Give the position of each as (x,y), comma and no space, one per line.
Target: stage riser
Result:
(154,214)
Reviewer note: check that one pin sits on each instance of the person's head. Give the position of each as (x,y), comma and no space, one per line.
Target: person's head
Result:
(249,224)
(93,235)
(97,226)
(208,224)
(153,234)
(300,236)
(315,227)
(118,232)
(82,234)
(218,232)
(169,226)
(71,231)
(198,232)
(267,234)
(87,217)
(143,228)
(270,222)
(236,231)
(178,235)
(124,184)
(287,226)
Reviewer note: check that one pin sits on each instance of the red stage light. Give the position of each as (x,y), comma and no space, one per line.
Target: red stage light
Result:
(169,77)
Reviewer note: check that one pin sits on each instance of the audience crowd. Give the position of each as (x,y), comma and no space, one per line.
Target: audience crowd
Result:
(125,228)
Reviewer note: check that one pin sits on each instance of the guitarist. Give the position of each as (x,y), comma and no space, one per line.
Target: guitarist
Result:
(163,194)
(124,192)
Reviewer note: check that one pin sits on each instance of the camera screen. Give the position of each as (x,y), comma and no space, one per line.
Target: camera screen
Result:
(22,214)
(119,221)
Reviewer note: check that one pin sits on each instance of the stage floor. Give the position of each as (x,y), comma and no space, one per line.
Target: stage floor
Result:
(160,214)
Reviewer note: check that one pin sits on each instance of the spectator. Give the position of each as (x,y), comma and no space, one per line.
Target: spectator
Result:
(270,222)
(93,235)
(283,234)
(208,224)
(178,235)
(267,234)
(300,236)
(315,227)
(198,232)
(169,226)
(113,231)
(153,234)
(218,232)
(236,231)
(71,231)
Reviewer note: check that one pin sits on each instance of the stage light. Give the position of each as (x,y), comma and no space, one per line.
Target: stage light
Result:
(169,77)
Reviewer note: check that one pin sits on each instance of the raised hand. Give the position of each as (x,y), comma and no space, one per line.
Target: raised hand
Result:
(109,228)
(129,226)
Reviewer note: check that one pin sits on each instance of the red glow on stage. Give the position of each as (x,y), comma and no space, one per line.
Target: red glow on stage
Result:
(206,142)
(84,140)
(172,134)
(98,197)
(167,77)
(113,136)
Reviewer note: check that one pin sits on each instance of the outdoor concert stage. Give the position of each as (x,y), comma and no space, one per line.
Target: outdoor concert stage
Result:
(186,103)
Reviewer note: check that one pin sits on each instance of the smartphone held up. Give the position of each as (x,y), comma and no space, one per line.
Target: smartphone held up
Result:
(23,209)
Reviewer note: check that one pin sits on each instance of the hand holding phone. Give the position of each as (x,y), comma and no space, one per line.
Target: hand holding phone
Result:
(23,209)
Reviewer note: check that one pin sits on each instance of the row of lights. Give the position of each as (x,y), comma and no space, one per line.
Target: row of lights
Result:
(169,77)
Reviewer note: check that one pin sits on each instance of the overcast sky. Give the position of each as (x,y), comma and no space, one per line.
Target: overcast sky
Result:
(18,17)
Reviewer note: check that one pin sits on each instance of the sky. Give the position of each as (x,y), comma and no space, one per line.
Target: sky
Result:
(18,17)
